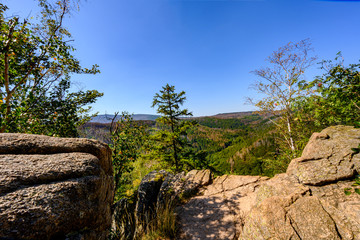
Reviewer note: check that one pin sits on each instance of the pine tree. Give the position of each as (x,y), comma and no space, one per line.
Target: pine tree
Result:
(172,129)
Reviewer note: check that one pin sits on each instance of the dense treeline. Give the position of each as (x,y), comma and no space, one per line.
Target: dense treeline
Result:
(221,123)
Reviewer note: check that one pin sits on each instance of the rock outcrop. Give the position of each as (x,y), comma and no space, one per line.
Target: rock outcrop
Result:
(54,188)
(306,202)
(328,157)
(147,195)
(183,186)
(155,189)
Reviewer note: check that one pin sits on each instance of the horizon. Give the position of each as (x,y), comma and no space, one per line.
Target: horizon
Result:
(206,48)
(156,114)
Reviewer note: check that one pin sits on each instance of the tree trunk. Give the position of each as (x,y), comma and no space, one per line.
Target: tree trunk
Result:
(176,157)
(292,144)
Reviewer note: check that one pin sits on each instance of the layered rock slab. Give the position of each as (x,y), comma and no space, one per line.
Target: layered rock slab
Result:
(328,157)
(54,188)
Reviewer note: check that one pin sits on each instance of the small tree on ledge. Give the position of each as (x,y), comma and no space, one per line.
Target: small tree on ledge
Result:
(172,133)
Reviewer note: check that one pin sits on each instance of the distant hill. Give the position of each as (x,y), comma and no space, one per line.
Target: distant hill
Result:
(106,118)
(233,115)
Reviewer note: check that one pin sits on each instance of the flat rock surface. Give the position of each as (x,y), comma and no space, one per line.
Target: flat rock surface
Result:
(17,143)
(215,213)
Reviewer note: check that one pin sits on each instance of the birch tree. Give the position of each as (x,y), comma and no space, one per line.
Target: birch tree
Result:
(280,84)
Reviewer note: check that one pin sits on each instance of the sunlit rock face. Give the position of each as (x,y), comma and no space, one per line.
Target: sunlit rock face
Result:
(54,188)
(328,157)
(306,202)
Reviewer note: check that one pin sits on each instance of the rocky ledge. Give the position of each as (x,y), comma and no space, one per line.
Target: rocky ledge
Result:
(306,202)
(54,188)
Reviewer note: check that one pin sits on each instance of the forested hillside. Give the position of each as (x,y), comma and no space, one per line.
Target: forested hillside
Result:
(232,144)
(224,145)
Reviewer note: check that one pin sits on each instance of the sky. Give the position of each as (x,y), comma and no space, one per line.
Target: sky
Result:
(206,48)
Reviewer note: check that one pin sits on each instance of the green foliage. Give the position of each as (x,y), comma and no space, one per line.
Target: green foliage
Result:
(249,153)
(36,63)
(337,98)
(163,223)
(127,140)
(163,226)
(218,140)
(355,185)
(172,130)
(356,150)
(355,188)
(232,123)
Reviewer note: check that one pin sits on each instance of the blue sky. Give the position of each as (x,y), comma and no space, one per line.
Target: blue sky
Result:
(205,47)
